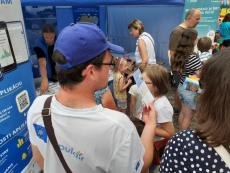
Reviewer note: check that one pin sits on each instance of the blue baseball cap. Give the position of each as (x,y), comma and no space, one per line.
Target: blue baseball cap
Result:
(82,42)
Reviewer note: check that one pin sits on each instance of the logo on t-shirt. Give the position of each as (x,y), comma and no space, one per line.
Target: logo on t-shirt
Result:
(71,151)
(40,132)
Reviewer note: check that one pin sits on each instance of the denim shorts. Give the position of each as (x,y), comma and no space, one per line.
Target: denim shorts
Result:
(188,98)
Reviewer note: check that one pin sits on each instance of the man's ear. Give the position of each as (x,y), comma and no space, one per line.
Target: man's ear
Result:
(88,70)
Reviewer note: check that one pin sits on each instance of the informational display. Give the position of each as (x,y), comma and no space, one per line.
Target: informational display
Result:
(89,14)
(7,60)
(209,19)
(17,37)
(16,95)
(17,92)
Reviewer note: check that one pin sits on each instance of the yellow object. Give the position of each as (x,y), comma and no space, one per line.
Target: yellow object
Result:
(20,143)
(194,77)
(224,11)
(24,155)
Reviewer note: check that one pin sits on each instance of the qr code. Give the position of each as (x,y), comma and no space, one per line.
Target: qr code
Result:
(23,101)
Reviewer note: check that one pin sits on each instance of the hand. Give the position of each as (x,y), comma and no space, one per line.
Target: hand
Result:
(130,75)
(150,115)
(142,66)
(44,86)
(215,45)
(129,81)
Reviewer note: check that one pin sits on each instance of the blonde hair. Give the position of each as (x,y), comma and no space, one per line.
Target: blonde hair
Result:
(123,63)
(137,24)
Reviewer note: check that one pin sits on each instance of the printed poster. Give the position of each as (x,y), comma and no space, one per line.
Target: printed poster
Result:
(209,19)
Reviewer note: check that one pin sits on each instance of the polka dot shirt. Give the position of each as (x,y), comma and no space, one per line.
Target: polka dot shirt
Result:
(186,152)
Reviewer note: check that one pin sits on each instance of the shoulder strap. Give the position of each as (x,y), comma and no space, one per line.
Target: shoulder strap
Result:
(149,39)
(223,153)
(46,115)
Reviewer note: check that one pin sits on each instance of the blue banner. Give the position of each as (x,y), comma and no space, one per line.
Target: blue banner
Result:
(89,14)
(17,92)
(35,18)
(209,19)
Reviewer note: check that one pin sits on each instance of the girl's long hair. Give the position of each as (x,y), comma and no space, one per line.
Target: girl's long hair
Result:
(184,49)
(213,113)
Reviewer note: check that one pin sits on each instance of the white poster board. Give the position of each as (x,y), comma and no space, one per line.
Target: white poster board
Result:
(17,36)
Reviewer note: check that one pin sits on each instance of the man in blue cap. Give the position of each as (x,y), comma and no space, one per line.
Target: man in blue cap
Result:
(92,139)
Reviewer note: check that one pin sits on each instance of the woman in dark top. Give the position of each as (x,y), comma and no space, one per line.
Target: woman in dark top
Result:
(197,151)
(185,62)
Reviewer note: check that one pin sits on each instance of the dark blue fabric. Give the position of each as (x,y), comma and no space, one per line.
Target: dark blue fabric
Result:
(158,20)
(40,42)
(187,153)
(102,2)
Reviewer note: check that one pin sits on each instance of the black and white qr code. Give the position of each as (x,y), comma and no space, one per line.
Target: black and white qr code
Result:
(23,101)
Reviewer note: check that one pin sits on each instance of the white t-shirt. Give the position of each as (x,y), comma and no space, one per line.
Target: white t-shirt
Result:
(164,110)
(149,43)
(204,56)
(94,140)
(138,98)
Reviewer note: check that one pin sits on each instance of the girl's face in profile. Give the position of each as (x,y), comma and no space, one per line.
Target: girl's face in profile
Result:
(149,84)
(123,66)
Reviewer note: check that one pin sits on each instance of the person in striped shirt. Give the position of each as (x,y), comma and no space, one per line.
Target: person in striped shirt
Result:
(204,45)
(186,63)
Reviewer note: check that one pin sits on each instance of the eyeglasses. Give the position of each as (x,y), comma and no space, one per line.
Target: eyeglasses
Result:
(111,64)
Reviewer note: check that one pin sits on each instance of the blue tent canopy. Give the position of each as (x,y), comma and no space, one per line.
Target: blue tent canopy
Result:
(102,2)
(158,16)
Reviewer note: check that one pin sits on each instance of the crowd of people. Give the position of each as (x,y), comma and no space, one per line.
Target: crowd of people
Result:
(102,126)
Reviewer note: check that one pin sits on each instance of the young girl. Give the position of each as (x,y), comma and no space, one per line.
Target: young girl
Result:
(156,78)
(120,85)
(186,63)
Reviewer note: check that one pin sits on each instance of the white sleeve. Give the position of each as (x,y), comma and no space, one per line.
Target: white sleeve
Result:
(37,132)
(164,115)
(128,158)
(133,90)
(32,134)
(30,117)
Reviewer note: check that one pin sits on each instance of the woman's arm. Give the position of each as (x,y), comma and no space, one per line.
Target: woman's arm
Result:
(108,101)
(165,130)
(122,85)
(143,53)
(147,136)
(44,83)
(37,156)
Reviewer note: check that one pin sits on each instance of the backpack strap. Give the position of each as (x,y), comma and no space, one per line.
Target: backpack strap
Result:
(46,115)
(224,154)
